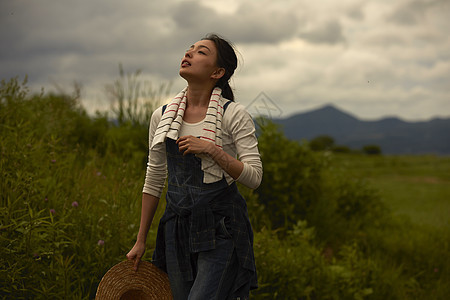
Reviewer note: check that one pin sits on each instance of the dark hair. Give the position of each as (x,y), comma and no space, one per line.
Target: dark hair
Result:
(227,59)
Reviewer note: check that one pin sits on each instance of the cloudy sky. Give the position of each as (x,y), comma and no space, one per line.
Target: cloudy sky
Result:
(372,58)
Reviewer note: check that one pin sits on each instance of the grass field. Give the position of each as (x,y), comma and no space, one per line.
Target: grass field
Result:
(416,187)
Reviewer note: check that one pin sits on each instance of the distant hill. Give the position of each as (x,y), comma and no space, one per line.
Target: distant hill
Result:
(393,135)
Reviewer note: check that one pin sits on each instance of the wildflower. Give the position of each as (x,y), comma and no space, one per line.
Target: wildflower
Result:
(53,160)
(99,173)
(52,211)
(100,242)
(436,270)
(46,199)
(75,204)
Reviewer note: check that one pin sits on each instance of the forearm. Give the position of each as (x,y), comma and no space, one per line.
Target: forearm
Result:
(149,206)
(228,163)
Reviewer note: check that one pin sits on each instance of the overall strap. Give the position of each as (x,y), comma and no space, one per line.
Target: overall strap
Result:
(226,105)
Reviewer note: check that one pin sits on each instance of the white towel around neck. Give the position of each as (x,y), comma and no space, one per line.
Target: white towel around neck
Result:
(172,119)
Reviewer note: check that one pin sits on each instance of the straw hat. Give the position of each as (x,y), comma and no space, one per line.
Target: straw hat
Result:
(122,282)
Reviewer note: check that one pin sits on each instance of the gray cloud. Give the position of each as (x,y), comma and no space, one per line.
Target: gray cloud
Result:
(139,34)
(252,24)
(408,13)
(385,40)
(356,12)
(411,13)
(329,32)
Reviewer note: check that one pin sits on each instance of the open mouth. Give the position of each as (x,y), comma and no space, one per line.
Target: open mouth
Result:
(185,63)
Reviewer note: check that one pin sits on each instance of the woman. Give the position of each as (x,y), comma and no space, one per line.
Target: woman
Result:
(204,240)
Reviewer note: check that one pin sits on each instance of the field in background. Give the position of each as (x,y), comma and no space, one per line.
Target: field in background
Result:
(415,187)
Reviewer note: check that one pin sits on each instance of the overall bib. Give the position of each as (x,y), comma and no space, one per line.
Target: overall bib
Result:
(204,240)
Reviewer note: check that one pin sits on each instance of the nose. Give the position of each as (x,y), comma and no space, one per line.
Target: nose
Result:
(188,54)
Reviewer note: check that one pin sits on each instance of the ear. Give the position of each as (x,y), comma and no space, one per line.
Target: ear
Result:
(218,73)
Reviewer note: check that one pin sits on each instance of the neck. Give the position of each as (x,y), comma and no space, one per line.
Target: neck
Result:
(198,95)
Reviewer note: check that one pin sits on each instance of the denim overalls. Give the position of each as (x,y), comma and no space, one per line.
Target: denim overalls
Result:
(204,240)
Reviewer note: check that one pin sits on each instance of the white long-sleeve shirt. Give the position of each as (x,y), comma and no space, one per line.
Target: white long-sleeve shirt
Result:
(239,141)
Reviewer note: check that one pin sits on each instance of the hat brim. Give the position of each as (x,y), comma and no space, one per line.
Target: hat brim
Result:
(122,282)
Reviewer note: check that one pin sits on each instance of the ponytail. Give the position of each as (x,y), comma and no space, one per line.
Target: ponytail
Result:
(227,92)
(226,58)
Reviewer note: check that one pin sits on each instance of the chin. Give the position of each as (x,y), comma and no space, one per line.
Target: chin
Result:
(183,74)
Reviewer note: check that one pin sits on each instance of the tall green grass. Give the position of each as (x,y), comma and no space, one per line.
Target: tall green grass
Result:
(326,226)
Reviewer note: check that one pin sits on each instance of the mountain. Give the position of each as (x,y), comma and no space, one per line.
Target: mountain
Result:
(393,135)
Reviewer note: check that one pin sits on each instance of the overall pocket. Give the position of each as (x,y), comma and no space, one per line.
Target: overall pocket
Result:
(221,229)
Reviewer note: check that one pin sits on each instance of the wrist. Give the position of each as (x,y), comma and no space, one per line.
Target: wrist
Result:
(141,240)
(213,151)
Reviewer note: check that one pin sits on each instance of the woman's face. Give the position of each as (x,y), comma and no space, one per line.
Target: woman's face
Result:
(200,62)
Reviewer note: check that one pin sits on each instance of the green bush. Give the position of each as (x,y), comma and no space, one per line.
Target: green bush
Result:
(288,268)
(292,177)
(371,149)
(67,213)
(296,268)
(341,149)
(345,210)
(321,143)
(297,185)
